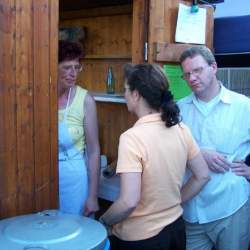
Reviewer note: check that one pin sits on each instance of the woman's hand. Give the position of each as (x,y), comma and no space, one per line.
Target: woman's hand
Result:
(91,206)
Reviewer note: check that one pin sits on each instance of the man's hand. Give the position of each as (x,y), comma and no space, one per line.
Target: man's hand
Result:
(216,161)
(240,168)
(91,206)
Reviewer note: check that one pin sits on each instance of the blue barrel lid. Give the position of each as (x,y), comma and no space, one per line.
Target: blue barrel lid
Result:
(51,230)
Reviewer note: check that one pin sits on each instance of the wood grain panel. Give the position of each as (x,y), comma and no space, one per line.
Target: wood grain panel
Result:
(113,120)
(139,30)
(81,4)
(94,75)
(98,11)
(28,106)
(8,153)
(156,26)
(42,104)
(24,100)
(156,23)
(54,22)
(106,35)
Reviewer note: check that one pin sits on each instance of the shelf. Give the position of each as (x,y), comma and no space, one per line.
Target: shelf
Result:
(104,97)
(103,57)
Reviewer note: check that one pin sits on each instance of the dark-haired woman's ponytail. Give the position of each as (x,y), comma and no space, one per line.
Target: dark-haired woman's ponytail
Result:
(170,110)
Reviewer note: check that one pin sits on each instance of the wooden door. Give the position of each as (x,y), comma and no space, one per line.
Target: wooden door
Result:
(140,30)
(28,106)
(162,26)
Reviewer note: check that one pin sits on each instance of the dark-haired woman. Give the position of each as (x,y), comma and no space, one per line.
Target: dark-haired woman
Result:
(152,159)
(79,151)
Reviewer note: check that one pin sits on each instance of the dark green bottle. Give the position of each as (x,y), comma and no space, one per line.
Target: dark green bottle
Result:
(110,81)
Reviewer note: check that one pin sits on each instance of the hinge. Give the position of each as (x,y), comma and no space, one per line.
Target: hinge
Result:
(146,51)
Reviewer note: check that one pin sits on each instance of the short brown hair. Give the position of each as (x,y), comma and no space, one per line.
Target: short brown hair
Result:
(69,51)
(203,51)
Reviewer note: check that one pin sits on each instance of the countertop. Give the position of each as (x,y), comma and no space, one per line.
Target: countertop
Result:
(104,97)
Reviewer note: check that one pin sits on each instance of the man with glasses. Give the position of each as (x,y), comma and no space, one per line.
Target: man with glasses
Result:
(220,122)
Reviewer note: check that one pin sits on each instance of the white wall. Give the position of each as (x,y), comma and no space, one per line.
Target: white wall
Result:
(232,8)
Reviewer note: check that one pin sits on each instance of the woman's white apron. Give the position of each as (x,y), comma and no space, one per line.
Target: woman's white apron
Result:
(73,178)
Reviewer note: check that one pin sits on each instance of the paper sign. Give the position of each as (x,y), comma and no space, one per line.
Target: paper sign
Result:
(191,27)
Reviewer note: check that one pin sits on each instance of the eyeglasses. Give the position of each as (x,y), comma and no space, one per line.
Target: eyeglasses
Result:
(67,68)
(195,72)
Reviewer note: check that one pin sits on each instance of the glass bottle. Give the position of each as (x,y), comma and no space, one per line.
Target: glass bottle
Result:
(110,81)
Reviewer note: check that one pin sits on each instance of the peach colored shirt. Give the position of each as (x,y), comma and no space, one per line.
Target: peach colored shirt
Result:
(160,154)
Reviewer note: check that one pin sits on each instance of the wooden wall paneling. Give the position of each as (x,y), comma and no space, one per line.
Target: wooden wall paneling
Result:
(91,12)
(139,30)
(156,26)
(170,19)
(54,24)
(94,75)
(42,104)
(25,112)
(113,120)
(81,4)
(106,35)
(28,106)
(8,155)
